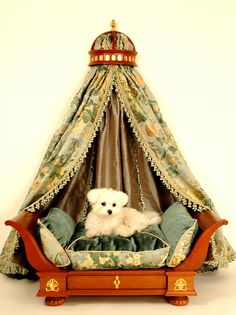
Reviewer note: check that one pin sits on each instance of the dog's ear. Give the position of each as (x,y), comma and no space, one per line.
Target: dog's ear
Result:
(122,198)
(92,195)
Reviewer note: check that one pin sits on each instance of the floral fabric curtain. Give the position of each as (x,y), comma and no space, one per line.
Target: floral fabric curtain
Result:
(73,140)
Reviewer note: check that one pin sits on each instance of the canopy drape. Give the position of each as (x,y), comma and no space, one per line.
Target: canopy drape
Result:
(114,136)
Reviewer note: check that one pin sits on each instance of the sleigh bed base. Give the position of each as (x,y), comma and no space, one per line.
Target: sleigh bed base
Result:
(174,283)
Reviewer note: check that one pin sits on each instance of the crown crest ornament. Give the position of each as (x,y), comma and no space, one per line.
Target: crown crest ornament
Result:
(114,48)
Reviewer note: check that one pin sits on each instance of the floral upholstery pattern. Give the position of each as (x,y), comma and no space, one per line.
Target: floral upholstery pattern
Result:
(51,247)
(117,259)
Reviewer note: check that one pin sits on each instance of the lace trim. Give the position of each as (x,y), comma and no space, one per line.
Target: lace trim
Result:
(140,190)
(76,165)
(12,269)
(179,195)
(90,183)
(220,259)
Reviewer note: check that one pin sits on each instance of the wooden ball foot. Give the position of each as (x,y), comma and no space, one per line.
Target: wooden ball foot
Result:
(54,301)
(178,300)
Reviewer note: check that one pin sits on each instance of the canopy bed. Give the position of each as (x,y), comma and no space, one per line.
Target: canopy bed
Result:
(114,136)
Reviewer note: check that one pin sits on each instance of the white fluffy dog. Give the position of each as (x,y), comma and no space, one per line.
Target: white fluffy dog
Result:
(109,216)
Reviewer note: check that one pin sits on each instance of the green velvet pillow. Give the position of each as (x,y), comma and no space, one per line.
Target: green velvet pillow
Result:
(61,224)
(51,247)
(179,229)
(54,232)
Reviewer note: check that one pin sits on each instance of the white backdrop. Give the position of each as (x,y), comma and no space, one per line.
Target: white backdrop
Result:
(186,54)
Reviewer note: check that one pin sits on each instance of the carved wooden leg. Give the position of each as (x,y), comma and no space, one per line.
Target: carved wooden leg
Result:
(54,301)
(178,300)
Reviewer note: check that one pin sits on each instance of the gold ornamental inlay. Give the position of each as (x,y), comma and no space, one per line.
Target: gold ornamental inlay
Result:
(52,285)
(181,285)
(117,282)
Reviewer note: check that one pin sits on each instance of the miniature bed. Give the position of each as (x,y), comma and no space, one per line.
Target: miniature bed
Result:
(114,136)
(175,283)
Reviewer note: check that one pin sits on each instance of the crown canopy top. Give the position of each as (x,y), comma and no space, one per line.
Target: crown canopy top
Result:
(113,47)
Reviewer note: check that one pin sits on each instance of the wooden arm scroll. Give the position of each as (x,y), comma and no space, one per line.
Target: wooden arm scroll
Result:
(208,222)
(25,223)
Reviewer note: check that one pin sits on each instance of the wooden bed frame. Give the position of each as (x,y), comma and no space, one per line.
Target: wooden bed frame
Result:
(174,283)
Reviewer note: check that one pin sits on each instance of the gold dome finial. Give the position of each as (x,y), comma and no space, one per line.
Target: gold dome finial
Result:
(113,25)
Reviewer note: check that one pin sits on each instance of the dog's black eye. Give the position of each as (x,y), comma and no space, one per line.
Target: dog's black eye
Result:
(103,203)
(114,204)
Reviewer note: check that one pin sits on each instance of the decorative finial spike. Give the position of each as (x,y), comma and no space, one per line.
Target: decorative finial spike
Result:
(113,25)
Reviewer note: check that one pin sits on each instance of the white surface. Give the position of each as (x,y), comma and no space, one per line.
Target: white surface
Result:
(186,54)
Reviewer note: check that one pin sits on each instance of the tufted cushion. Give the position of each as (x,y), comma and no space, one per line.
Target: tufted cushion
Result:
(146,249)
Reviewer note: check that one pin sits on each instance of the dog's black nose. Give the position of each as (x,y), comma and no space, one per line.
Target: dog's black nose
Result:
(109,211)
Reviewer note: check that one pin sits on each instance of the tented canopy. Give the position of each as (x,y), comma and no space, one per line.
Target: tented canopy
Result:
(114,136)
